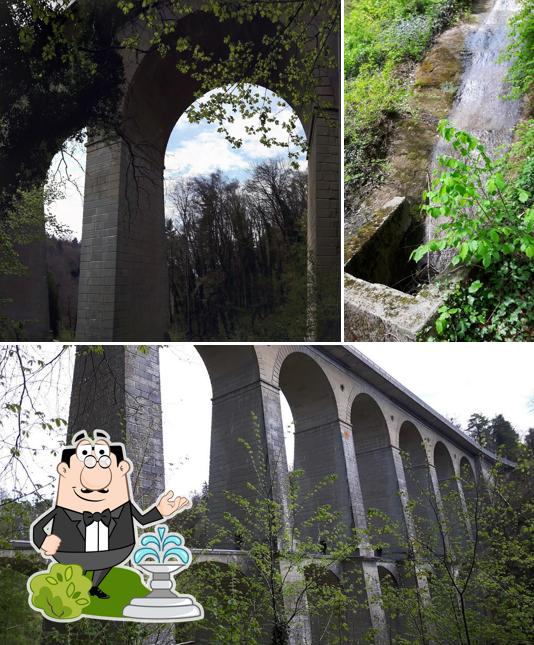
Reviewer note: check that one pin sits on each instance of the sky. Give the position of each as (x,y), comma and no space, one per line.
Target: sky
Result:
(455,379)
(192,150)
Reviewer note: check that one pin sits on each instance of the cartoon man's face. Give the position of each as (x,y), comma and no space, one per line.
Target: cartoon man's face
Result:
(93,479)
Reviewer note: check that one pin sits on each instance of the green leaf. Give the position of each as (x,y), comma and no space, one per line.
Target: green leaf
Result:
(475,286)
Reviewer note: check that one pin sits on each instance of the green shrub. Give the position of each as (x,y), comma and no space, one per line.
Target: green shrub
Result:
(486,217)
(61,592)
(369,99)
(520,51)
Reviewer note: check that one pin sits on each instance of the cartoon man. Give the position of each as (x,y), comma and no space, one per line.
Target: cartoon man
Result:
(93,519)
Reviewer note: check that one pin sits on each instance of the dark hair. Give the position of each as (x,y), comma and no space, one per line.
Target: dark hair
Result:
(115,449)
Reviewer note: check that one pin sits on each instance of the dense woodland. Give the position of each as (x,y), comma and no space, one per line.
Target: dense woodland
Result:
(236,258)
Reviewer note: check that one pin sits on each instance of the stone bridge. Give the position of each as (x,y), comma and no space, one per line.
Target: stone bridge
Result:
(123,256)
(351,419)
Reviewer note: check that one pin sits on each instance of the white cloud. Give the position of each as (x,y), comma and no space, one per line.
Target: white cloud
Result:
(203,154)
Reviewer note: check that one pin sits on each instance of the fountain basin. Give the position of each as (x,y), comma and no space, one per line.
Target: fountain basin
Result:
(163,604)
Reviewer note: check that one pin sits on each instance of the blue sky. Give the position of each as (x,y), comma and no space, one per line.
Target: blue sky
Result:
(193,149)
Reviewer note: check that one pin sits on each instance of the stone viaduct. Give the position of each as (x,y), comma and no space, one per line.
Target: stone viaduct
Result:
(351,418)
(123,258)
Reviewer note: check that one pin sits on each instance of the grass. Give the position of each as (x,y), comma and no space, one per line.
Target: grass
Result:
(122,585)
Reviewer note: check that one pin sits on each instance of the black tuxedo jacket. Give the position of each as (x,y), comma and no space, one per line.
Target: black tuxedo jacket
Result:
(69,527)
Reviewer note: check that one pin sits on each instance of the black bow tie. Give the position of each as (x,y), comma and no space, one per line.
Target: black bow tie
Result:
(89,518)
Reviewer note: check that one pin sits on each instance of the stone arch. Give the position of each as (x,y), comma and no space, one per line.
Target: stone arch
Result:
(417,474)
(325,622)
(123,253)
(469,484)
(389,586)
(229,365)
(376,466)
(318,445)
(449,492)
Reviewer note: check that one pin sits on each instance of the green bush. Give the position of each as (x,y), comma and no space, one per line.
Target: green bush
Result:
(60,593)
(520,50)
(486,217)
(369,99)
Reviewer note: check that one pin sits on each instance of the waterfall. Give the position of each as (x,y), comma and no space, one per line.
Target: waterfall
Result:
(480,108)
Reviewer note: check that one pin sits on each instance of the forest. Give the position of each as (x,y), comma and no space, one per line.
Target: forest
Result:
(236,254)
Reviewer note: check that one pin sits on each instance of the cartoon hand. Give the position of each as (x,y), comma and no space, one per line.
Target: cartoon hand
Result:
(167,506)
(50,545)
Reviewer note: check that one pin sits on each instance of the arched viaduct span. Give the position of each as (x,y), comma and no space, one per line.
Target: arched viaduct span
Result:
(351,418)
(123,285)
(123,259)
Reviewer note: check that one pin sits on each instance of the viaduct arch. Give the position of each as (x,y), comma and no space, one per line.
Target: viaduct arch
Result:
(123,265)
(123,287)
(385,445)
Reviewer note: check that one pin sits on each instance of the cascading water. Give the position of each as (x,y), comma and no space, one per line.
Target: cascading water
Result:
(481,108)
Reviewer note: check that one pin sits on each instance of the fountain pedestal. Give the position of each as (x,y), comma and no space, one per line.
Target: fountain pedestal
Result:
(163,604)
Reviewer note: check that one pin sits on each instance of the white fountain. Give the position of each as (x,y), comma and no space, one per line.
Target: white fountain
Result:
(163,555)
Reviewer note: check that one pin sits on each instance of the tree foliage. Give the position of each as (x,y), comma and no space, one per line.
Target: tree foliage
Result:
(62,69)
(467,577)
(520,50)
(485,215)
(237,255)
(497,435)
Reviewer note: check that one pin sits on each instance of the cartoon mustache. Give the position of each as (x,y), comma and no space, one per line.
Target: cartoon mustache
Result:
(94,490)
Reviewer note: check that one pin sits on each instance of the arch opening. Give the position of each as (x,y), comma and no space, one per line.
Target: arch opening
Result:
(318,452)
(390,590)
(418,482)
(450,495)
(235,230)
(377,472)
(327,610)
(469,486)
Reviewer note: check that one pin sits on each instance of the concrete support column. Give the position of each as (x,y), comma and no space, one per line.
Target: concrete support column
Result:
(463,504)
(118,390)
(403,491)
(251,413)
(320,451)
(238,416)
(324,223)
(123,292)
(324,202)
(319,454)
(438,500)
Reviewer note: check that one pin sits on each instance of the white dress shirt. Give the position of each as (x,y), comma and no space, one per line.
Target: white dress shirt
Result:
(96,537)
